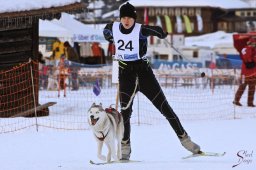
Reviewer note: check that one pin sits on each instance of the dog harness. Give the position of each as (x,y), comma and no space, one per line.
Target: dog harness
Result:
(114,113)
(117,117)
(103,136)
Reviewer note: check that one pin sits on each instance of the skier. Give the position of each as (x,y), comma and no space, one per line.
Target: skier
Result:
(135,74)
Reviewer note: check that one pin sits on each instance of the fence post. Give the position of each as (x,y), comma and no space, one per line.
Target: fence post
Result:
(33,91)
(235,77)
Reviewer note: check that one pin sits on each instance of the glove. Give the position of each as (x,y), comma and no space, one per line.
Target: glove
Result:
(165,34)
(250,65)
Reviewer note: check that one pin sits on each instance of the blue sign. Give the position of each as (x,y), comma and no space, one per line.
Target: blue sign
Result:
(177,64)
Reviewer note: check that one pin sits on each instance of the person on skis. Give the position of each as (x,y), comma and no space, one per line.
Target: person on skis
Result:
(135,74)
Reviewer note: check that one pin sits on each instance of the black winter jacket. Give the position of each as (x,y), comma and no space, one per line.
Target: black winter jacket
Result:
(146,30)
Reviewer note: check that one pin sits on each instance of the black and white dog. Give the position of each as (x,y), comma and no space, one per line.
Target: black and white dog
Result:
(106,125)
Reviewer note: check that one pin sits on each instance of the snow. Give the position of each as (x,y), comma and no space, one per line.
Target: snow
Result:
(212,39)
(226,4)
(156,146)
(25,5)
(96,4)
(49,29)
(80,32)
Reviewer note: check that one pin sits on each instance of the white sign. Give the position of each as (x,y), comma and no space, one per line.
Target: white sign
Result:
(115,70)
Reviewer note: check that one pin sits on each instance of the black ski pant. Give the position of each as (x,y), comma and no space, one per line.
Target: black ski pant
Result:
(149,86)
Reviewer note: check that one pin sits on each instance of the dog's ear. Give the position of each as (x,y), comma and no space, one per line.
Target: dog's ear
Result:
(93,105)
(101,107)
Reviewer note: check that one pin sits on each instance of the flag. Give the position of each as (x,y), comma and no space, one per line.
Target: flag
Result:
(158,21)
(96,88)
(179,24)
(199,23)
(168,24)
(212,65)
(187,24)
(145,16)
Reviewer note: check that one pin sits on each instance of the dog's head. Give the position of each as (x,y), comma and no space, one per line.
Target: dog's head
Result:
(96,115)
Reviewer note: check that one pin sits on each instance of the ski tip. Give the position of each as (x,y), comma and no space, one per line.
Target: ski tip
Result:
(92,162)
(200,152)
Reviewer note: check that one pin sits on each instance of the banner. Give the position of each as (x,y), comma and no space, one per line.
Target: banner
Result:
(115,70)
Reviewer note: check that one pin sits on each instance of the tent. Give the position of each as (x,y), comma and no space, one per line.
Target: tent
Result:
(49,29)
(80,31)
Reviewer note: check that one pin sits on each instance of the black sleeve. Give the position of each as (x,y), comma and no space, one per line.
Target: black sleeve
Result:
(107,32)
(148,30)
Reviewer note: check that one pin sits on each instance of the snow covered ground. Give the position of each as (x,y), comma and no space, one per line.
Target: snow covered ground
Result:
(155,145)
(207,117)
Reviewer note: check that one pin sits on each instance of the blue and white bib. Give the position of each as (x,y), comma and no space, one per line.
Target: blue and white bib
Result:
(126,45)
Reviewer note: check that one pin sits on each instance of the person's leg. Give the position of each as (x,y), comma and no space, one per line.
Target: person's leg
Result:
(239,93)
(127,85)
(149,86)
(251,81)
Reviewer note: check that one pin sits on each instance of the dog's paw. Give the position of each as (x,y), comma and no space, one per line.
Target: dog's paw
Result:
(102,157)
(108,160)
(119,157)
(119,154)
(115,157)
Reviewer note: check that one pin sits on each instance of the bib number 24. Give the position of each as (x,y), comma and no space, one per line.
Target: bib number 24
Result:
(122,46)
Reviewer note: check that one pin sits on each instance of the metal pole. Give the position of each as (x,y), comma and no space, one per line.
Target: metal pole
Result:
(234,94)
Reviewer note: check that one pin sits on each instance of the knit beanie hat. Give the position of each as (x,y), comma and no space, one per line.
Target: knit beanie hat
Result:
(128,10)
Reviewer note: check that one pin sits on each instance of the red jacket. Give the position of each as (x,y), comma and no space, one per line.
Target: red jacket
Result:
(248,54)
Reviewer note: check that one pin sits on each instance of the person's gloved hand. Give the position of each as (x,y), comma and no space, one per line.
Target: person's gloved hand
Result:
(166,33)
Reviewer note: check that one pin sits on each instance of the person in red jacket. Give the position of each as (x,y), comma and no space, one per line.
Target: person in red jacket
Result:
(248,73)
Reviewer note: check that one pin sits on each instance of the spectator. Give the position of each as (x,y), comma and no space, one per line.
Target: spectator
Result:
(63,73)
(57,51)
(70,52)
(43,70)
(248,73)
(71,55)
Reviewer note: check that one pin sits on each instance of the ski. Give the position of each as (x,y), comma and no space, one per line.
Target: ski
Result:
(120,161)
(100,163)
(214,154)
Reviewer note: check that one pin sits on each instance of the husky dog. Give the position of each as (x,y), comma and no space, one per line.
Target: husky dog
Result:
(107,125)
